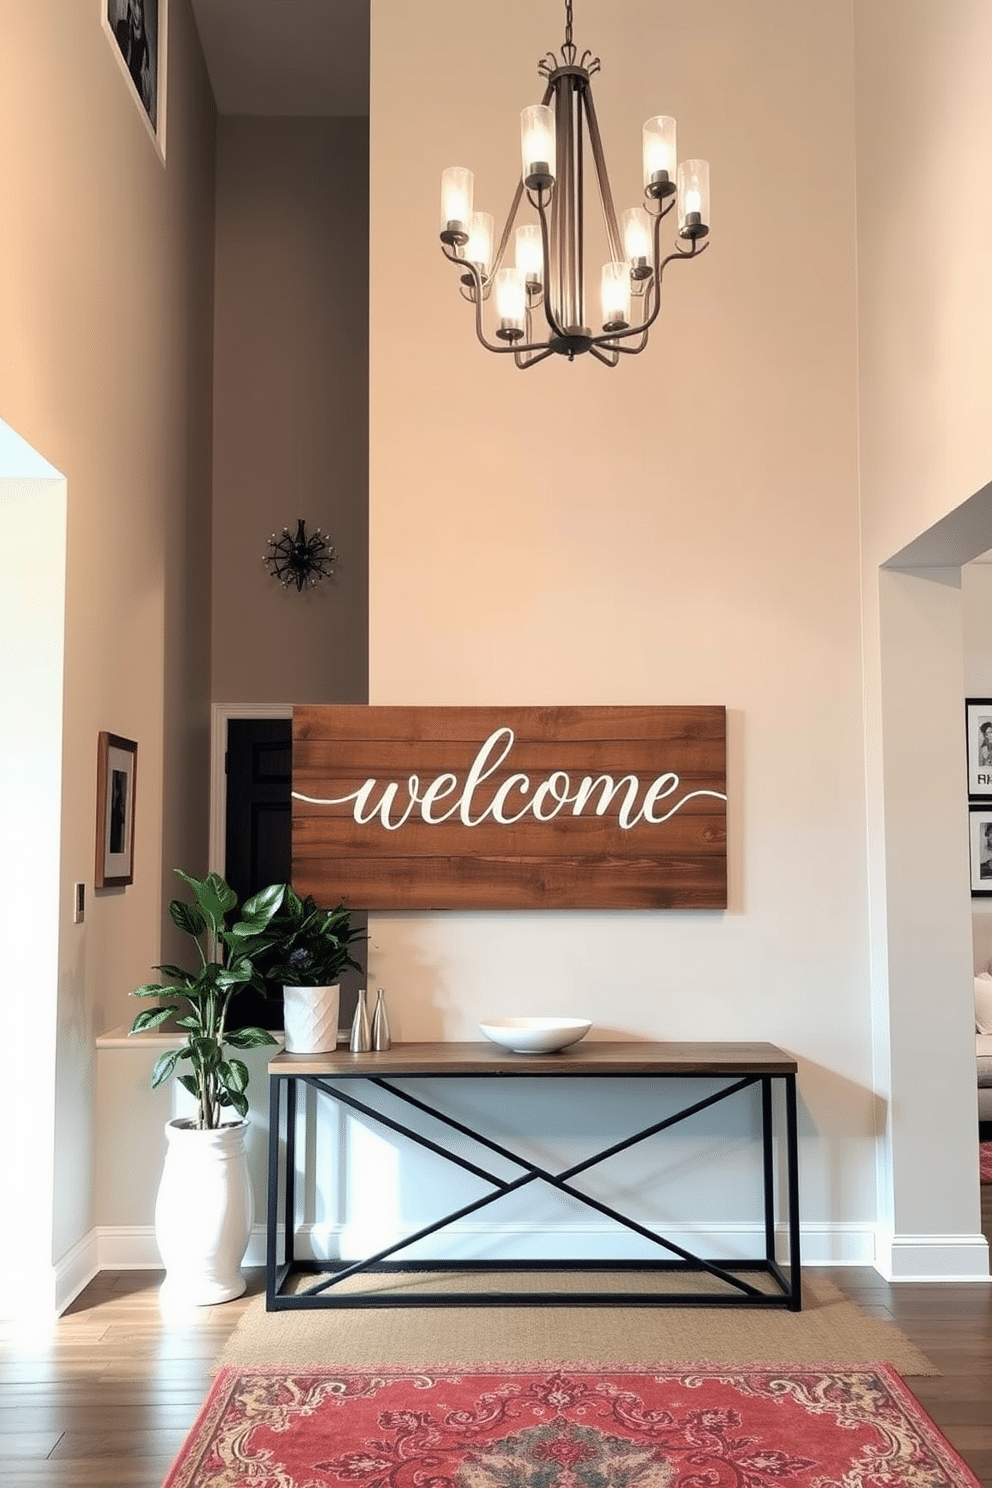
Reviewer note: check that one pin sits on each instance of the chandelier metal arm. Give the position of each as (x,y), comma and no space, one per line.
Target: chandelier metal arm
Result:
(531,361)
(540,204)
(608,361)
(649,320)
(476,294)
(605,190)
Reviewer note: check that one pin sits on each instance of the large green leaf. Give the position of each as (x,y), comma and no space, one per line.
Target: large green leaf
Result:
(235,975)
(187,918)
(239,1101)
(164,1065)
(216,898)
(205,1049)
(249,1038)
(151,1018)
(257,911)
(152,989)
(178,974)
(233,1074)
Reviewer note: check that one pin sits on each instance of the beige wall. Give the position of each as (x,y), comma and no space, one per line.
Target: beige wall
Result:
(924,239)
(105,305)
(684,529)
(291,405)
(925,327)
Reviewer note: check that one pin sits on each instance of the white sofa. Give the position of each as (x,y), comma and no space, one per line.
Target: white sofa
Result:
(983,1043)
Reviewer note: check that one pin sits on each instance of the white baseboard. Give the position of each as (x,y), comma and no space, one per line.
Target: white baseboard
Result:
(897,1258)
(932,1257)
(822,1245)
(40,1292)
(133,1248)
(75,1270)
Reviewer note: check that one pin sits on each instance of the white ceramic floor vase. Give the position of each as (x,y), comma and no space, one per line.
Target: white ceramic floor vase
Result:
(311,1018)
(204,1212)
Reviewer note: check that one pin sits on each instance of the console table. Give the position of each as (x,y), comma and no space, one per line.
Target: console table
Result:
(338,1075)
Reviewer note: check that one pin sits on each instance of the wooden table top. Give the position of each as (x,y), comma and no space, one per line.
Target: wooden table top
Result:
(590,1057)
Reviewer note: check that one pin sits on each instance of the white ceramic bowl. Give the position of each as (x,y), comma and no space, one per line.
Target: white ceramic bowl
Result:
(535,1035)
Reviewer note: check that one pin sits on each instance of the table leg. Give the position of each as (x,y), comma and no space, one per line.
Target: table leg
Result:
(792,1164)
(272,1196)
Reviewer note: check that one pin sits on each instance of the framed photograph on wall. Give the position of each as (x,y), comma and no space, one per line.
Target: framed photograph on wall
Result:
(136,30)
(116,772)
(978,731)
(980,825)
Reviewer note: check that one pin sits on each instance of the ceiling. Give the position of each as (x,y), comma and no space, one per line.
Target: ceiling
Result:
(277,57)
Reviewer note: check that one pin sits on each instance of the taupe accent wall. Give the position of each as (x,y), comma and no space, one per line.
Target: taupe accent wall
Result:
(290,405)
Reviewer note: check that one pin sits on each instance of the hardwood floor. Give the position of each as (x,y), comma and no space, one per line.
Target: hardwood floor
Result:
(105,1399)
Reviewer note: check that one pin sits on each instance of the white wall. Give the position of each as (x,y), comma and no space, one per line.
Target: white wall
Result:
(684,529)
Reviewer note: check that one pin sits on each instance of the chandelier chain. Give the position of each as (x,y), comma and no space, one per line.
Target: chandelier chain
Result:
(568,23)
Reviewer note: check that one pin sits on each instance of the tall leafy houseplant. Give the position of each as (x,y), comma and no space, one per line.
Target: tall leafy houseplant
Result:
(292,941)
(204,994)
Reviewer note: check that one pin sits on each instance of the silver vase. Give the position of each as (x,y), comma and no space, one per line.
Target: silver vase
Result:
(361,1033)
(380,1022)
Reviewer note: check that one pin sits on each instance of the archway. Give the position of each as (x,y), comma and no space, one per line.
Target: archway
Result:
(32,639)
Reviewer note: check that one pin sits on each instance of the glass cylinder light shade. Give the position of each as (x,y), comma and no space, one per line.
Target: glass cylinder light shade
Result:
(457,185)
(659,155)
(537,146)
(694,199)
(638,243)
(510,294)
(615,295)
(479,248)
(530,253)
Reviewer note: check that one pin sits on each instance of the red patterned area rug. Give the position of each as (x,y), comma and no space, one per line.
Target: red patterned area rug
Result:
(564,1426)
(985,1161)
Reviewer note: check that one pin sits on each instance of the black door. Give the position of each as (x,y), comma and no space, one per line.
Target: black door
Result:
(258,850)
(258,847)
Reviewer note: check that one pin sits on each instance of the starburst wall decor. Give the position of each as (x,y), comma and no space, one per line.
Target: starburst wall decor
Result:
(301,559)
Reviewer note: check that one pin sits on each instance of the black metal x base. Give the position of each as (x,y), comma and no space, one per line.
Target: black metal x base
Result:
(736,1290)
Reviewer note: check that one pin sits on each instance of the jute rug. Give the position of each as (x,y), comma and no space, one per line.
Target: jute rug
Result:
(565,1426)
(829,1330)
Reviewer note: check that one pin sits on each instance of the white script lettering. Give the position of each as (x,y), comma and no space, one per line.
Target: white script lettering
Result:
(550,797)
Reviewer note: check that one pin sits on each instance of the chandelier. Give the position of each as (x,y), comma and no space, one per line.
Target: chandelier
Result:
(539,302)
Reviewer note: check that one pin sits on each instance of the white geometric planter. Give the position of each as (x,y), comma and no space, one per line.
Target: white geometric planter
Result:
(204,1212)
(311,1018)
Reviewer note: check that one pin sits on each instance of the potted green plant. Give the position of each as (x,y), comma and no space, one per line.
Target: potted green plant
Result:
(204,1207)
(293,942)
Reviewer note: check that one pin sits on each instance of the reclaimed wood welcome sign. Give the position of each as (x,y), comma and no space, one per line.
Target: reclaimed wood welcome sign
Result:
(509,808)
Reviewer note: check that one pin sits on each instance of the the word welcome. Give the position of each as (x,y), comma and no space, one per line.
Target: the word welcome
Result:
(549,797)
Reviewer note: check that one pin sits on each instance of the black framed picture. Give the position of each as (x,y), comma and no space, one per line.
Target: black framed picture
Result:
(137,31)
(978,733)
(980,831)
(116,774)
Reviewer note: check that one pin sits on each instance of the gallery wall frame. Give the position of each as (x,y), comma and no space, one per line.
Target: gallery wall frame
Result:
(980,855)
(116,779)
(137,31)
(978,737)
